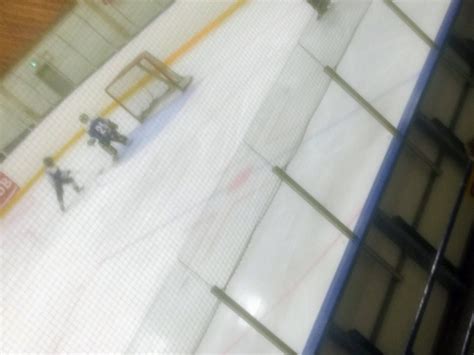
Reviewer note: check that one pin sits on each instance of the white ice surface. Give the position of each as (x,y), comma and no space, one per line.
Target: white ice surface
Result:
(83,281)
(288,269)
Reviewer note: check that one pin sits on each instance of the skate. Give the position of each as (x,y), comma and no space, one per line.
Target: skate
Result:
(123,140)
(322,11)
(115,158)
(111,151)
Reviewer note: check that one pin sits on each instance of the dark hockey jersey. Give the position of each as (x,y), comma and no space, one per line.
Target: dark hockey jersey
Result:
(56,175)
(101,129)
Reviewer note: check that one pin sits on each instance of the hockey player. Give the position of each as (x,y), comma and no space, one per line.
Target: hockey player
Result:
(59,178)
(105,131)
(321,6)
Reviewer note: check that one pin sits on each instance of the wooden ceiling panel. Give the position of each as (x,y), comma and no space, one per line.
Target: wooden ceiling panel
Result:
(23,23)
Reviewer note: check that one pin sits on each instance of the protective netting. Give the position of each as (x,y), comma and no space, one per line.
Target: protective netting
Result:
(164,328)
(217,240)
(190,200)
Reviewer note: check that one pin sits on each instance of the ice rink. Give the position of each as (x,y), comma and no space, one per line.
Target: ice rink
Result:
(193,202)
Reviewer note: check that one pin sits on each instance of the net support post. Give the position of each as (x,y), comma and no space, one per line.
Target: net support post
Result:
(323,211)
(425,38)
(410,23)
(251,320)
(380,118)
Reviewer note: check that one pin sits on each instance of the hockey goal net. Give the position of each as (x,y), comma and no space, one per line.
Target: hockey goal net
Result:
(144,84)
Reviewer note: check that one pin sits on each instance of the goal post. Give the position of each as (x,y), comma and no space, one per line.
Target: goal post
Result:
(144,84)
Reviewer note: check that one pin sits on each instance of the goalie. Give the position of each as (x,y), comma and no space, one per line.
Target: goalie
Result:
(105,132)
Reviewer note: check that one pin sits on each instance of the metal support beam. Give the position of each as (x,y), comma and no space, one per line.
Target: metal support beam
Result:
(460,104)
(387,300)
(346,231)
(417,248)
(379,117)
(420,213)
(437,261)
(444,137)
(251,320)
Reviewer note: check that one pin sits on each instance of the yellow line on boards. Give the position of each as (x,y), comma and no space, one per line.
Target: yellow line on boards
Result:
(173,57)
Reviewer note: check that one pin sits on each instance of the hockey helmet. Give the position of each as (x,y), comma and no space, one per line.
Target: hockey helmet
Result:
(84,118)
